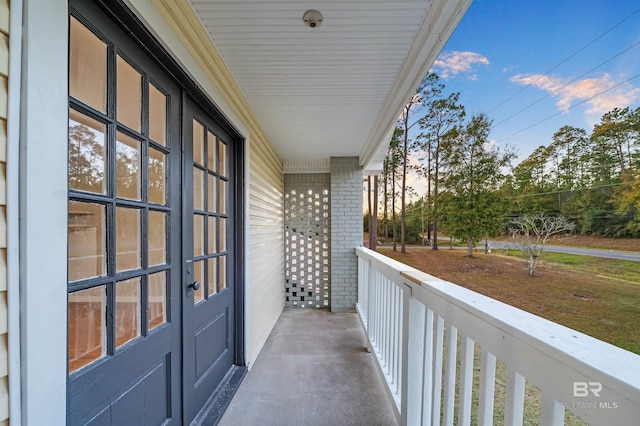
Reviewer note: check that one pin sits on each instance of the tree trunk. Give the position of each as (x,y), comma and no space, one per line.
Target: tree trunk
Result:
(393,209)
(385,216)
(403,195)
(469,247)
(434,246)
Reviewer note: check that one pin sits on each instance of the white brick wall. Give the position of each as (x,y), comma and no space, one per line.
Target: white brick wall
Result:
(346,231)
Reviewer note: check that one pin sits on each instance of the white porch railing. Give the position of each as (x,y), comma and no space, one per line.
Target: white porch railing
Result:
(424,332)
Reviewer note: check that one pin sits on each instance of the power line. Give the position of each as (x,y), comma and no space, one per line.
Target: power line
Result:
(593,188)
(563,86)
(568,108)
(565,60)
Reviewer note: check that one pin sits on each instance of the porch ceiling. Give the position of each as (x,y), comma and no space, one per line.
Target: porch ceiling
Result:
(335,90)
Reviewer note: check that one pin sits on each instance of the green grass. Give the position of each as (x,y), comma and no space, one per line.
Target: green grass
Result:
(626,270)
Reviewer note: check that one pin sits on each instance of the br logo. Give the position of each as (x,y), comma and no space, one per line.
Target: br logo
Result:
(583,389)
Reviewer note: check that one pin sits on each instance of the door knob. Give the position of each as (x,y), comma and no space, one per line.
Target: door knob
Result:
(195,285)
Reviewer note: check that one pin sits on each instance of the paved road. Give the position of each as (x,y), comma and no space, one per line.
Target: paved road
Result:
(609,254)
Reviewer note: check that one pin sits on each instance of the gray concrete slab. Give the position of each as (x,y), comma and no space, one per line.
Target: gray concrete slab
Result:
(313,370)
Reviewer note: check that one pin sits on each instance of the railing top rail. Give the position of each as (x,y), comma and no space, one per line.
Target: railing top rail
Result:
(531,344)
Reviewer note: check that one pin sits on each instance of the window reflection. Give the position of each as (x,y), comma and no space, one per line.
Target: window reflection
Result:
(87,335)
(87,66)
(157,115)
(86,240)
(87,154)
(128,95)
(222,266)
(198,235)
(156,307)
(157,179)
(128,170)
(211,234)
(211,275)
(198,267)
(198,143)
(157,236)
(127,310)
(127,239)
(222,158)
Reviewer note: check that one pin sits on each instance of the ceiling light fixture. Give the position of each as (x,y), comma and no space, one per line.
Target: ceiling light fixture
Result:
(312,18)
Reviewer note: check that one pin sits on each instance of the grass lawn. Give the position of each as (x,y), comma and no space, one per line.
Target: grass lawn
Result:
(599,297)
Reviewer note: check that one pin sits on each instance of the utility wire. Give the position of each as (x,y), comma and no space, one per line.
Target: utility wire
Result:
(563,86)
(565,60)
(568,108)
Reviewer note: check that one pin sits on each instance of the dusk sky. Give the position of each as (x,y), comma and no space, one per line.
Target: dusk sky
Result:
(559,62)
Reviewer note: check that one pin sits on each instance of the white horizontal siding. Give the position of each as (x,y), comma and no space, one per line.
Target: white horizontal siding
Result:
(266,252)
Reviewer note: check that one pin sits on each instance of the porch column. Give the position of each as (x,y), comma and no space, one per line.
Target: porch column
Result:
(346,231)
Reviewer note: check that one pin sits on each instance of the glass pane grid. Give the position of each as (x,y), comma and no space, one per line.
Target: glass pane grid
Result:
(117,280)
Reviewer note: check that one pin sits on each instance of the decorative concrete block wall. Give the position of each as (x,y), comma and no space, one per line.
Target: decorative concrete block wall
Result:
(307,244)
(346,231)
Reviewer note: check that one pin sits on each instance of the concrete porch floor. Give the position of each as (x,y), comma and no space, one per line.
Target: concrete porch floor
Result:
(313,370)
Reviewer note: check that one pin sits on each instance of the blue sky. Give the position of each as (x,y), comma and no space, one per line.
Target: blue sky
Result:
(504,56)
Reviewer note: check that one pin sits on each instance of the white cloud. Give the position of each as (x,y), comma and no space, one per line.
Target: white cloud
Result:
(568,93)
(491,145)
(450,64)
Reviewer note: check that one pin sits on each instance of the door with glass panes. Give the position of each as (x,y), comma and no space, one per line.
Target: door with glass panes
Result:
(208,305)
(146,345)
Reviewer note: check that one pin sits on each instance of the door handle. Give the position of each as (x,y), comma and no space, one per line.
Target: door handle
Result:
(194,285)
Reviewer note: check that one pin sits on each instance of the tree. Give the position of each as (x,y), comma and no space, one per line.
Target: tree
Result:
(473,178)
(568,142)
(443,115)
(532,232)
(428,89)
(86,159)
(391,165)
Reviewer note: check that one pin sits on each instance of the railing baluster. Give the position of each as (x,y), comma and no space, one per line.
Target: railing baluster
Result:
(514,408)
(437,371)
(410,321)
(487,388)
(450,375)
(399,343)
(466,381)
(386,326)
(415,361)
(392,333)
(373,314)
(551,412)
(392,341)
(427,384)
